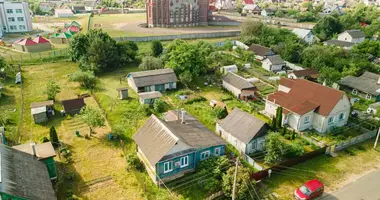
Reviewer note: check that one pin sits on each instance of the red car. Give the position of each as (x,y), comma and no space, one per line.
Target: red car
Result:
(310,190)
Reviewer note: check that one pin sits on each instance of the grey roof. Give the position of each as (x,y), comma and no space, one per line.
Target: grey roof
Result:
(302,33)
(276,60)
(150,95)
(44,150)
(153,77)
(260,50)
(339,43)
(356,33)
(366,83)
(243,126)
(237,81)
(40,104)
(24,176)
(156,137)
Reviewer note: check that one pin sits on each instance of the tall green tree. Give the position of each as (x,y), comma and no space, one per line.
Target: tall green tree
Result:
(78,46)
(279,117)
(52,89)
(326,27)
(251,28)
(244,183)
(274,147)
(86,79)
(54,137)
(92,117)
(150,63)
(156,48)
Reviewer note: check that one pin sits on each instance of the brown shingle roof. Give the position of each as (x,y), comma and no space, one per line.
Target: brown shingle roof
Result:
(260,50)
(305,96)
(307,72)
(73,104)
(44,150)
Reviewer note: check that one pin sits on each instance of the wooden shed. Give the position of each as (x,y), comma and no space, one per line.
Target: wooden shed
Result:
(123,93)
(73,106)
(41,111)
(149,97)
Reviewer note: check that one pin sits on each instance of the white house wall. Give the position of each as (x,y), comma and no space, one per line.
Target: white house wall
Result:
(309,38)
(347,37)
(239,145)
(276,68)
(258,142)
(25,14)
(270,108)
(132,84)
(343,106)
(301,124)
(267,64)
(231,88)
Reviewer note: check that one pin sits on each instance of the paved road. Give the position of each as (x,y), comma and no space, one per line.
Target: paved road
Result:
(364,188)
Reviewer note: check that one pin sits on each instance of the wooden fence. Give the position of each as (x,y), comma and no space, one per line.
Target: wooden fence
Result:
(214,196)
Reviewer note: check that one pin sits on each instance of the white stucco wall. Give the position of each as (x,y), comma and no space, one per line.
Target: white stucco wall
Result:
(346,37)
(302,125)
(343,106)
(239,145)
(131,84)
(17,26)
(309,38)
(231,88)
(270,107)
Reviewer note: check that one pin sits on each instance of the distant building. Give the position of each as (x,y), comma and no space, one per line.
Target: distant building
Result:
(238,86)
(62,13)
(149,97)
(38,44)
(46,6)
(152,80)
(41,111)
(266,12)
(354,36)
(366,86)
(305,34)
(73,106)
(229,68)
(371,2)
(174,13)
(15,17)
(340,44)
(273,63)
(304,74)
(251,8)
(261,52)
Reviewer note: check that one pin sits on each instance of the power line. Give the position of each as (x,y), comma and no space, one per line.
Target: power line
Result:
(254,190)
(249,190)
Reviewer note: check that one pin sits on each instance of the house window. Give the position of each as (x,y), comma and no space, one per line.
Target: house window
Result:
(168,167)
(11,19)
(13,27)
(205,155)
(171,85)
(217,151)
(4,28)
(18,10)
(20,19)
(253,146)
(368,96)
(9,11)
(185,161)
(354,92)
(22,27)
(331,120)
(341,116)
(306,120)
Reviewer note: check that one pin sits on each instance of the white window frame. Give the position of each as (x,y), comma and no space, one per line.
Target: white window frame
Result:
(9,11)
(18,10)
(341,119)
(11,19)
(306,120)
(185,158)
(170,166)
(332,120)
(22,27)
(13,27)
(368,96)
(18,19)
(205,153)
(354,92)
(217,149)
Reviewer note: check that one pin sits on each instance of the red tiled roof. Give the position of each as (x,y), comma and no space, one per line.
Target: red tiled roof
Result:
(305,96)
(248,2)
(72,28)
(40,39)
(27,42)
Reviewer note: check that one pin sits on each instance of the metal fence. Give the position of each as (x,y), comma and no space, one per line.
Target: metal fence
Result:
(35,57)
(180,36)
(253,163)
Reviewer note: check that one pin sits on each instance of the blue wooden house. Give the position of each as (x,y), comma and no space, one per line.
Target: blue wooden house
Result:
(174,146)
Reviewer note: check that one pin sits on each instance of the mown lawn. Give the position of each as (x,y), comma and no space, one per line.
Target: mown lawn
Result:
(331,171)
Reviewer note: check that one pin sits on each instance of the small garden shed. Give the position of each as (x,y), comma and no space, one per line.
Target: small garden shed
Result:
(149,97)
(73,106)
(38,44)
(42,110)
(61,38)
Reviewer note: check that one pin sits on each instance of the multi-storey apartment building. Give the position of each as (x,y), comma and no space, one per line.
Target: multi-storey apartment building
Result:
(14,17)
(176,13)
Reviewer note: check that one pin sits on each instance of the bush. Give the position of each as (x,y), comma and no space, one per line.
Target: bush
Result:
(227,98)
(145,108)
(220,113)
(350,151)
(86,79)
(295,149)
(160,106)
(134,162)
(196,99)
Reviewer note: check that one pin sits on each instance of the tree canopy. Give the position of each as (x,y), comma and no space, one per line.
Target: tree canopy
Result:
(243,183)
(92,117)
(52,89)
(326,27)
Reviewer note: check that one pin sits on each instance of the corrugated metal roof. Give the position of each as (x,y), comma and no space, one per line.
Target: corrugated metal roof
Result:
(150,95)
(237,81)
(38,110)
(153,77)
(276,60)
(43,103)
(243,126)
(44,150)
(356,33)
(24,176)
(302,33)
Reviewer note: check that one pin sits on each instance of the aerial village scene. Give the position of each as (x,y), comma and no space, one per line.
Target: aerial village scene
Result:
(189,99)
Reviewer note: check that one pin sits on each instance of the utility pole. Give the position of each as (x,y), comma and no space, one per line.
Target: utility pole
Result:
(377,138)
(236,170)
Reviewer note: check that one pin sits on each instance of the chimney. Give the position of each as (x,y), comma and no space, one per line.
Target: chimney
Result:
(183,115)
(33,145)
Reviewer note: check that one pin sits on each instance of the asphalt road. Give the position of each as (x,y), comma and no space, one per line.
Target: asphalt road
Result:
(364,188)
